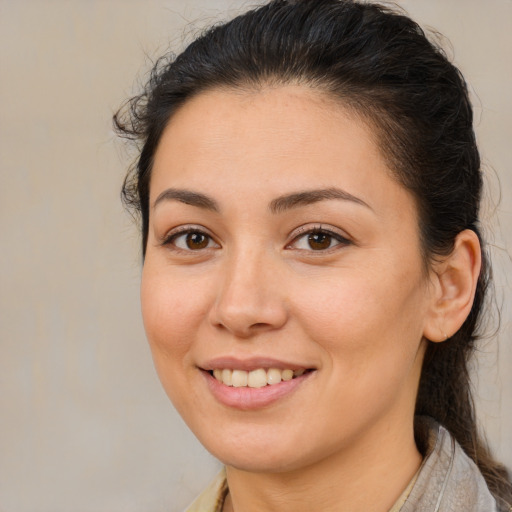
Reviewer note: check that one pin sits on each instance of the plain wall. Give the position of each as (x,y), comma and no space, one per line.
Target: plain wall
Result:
(84,424)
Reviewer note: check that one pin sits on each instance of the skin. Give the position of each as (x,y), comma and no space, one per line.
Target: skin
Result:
(357,312)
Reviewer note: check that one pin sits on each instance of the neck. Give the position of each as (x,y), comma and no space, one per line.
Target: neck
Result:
(368,475)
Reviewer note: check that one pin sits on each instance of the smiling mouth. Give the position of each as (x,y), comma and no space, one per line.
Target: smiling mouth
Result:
(258,378)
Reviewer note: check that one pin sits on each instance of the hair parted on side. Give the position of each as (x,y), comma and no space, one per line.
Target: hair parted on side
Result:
(377,62)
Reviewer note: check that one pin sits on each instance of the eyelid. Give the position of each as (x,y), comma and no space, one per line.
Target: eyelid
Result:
(343,238)
(171,235)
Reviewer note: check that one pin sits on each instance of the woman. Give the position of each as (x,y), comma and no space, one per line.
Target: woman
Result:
(309,187)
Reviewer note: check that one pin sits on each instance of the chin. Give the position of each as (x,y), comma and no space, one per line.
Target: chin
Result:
(249,448)
(263,452)
(257,461)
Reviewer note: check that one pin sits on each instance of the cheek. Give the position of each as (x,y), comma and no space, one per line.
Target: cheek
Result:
(370,336)
(173,312)
(363,321)
(172,309)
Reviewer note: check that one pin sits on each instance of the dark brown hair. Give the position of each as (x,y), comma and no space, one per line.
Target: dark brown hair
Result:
(379,63)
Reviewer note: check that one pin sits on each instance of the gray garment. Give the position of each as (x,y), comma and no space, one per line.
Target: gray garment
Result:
(448,480)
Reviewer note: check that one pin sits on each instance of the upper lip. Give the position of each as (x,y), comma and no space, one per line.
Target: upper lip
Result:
(251,363)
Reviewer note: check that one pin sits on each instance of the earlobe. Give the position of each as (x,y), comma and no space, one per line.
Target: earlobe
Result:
(456,278)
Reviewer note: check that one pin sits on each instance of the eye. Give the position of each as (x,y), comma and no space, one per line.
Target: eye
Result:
(190,240)
(318,239)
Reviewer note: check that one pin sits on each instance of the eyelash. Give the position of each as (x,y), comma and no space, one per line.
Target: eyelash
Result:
(319,230)
(170,239)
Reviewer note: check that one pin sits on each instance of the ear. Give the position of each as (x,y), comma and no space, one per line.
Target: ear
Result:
(454,281)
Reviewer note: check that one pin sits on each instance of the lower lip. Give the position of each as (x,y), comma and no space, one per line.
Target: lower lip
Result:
(246,398)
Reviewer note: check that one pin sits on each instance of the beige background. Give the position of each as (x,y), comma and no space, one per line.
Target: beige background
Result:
(84,425)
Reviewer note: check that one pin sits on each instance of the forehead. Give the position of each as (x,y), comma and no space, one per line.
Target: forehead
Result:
(285,118)
(272,139)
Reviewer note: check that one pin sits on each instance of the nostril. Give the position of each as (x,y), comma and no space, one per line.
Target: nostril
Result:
(245,323)
(260,325)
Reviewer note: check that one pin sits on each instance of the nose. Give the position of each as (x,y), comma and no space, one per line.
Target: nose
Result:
(250,297)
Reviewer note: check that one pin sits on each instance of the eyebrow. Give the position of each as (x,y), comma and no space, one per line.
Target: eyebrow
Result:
(187,197)
(298,199)
(278,205)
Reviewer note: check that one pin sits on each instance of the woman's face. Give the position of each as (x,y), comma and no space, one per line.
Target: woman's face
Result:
(280,244)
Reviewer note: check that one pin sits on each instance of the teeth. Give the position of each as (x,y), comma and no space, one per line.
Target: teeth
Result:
(255,378)
(239,378)
(287,375)
(227,377)
(273,376)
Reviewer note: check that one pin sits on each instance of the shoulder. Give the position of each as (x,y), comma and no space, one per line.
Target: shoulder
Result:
(212,498)
(448,479)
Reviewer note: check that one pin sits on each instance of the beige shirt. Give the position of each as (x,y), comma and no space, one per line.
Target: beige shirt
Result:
(212,498)
(447,480)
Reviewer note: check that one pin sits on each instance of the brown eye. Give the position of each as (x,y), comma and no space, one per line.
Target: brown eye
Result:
(319,241)
(196,241)
(190,240)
